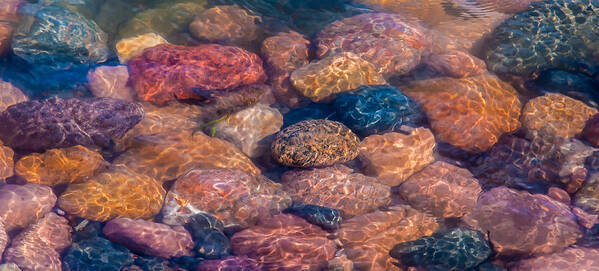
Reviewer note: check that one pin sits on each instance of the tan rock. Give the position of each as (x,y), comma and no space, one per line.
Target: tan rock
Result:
(131,47)
(110,82)
(393,157)
(226,24)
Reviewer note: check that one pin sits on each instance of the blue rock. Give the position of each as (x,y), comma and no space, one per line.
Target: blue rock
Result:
(96,254)
(313,111)
(327,218)
(207,233)
(378,109)
(458,249)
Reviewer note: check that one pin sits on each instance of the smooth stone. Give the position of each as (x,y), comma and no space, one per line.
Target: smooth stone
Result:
(9,95)
(131,47)
(327,218)
(111,82)
(570,259)
(24,204)
(229,23)
(210,240)
(96,253)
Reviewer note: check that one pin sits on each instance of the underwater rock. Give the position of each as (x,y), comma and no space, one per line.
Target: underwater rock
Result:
(456,64)
(458,249)
(230,263)
(313,111)
(577,85)
(39,246)
(57,38)
(392,44)
(509,6)
(379,109)
(60,166)
(336,187)
(368,238)
(3,238)
(469,113)
(556,115)
(587,197)
(150,238)
(96,253)
(248,198)
(334,74)
(9,18)
(167,72)
(10,95)
(586,220)
(570,259)
(6,162)
(591,130)
(441,189)
(227,24)
(251,129)
(521,224)
(24,204)
(284,53)
(110,82)
(59,123)
(210,240)
(313,143)
(551,34)
(327,218)
(285,242)
(118,192)
(393,157)
(131,47)
(166,156)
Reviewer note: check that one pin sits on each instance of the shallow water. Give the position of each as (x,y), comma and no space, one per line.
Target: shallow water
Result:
(299,135)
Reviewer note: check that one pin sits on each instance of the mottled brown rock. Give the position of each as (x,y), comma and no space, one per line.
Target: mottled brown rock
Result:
(521,224)
(285,242)
(393,157)
(236,198)
(442,189)
(313,143)
(166,156)
(252,129)
(24,204)
(118,192)
(131,47)
(284,53)
(556,115)
(150,238)
(336,187)
(39,246)
(334,74)
(368,238)
(110,82)
(230,263)
(456,64)
(9,95)
(60,166)
(227,24)
(470,113)
(7,162)
(571,259)
(591,131)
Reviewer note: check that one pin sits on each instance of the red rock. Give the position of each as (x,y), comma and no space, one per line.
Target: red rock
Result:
(442,189)
(336,187)
(229,264)
(522,224)
(559,195)
(456,64)
(39,246)
(388,41)
(110,82)
(367,239)
(585,219)
(284,53)
(24,204)
(235,197)
(227,24)
(150,238)
(9,94)
(571,259)
(285,242)
(591,131)
(168,72)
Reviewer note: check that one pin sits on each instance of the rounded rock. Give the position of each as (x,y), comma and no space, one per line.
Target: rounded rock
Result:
(10,95)
(226,24)
(24,204)
(131,47)
(110,82)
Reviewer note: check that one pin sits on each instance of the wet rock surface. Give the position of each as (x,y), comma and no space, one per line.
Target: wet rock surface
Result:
(7,162)
(110,82)
(96,253)
(327,218)
(585,259)
(456,64)
(131,47)
(24,204)
(226,24)
(230,263)
(9,95)
(210,240)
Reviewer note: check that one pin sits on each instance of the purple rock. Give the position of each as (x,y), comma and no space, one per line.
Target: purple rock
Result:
(3,237)
(151,238)
(59,123)
(24,204)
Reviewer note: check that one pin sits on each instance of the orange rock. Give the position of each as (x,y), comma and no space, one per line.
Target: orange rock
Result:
(226,24)
(456,64)
(285,242)
(336,187)
(556,115)
(6,162)
(334,74)
(469,113)
(368,238)
(60,166)
(118,192)
(131,47)
(10,95)
(166,156)
(393,157)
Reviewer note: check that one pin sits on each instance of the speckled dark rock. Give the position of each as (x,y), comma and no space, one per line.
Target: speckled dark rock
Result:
(327,218)
(57,38)
(457,249)
(95,254)
(552,34)
(377,109)
(207,233)
(58,123)
(313,143)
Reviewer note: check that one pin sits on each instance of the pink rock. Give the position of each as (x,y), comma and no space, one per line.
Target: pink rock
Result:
(110,82)
(38,247)
(230,264)
(523,224)
(585,219)
(442,189)
(571,259)
(456,64)
(150,238)
(24,204)
(559,195)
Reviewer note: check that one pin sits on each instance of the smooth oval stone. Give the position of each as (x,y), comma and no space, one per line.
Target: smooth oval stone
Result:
(327,218)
